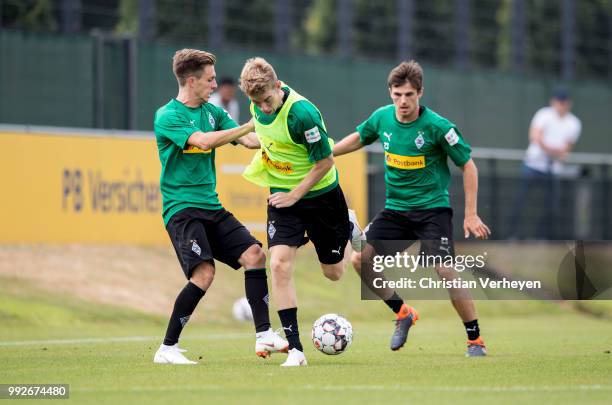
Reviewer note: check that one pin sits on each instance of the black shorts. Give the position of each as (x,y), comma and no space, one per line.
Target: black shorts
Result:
(394,231)
(323,218)
(200,235)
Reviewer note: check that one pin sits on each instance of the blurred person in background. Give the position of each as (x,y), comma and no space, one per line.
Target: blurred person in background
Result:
(552,134)
(225,97)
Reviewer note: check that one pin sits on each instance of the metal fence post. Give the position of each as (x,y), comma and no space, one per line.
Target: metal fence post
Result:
(583,207)
(98,75)
(610,45)
(282,23)
(568,38)
(146,20)
(493,196)
(345,28)
(462,34)
(517,36)
(216,23)
(71,16)
(131,88)
(605,202)
(405,19)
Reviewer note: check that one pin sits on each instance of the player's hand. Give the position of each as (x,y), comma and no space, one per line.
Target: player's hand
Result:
(282,200)
(473,225)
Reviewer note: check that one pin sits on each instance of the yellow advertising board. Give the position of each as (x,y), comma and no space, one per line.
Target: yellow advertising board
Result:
(105,189)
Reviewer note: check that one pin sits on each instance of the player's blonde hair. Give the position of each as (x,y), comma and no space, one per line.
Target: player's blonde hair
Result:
(406,72)
(187,62)
(257,77)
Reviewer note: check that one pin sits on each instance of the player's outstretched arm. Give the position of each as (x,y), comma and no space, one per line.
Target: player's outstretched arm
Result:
(250,141)
(215,139)
(283,200)
(348,144)
(472,224)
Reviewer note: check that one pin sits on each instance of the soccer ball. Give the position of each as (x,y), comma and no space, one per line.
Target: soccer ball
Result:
(242,310)
(332,334)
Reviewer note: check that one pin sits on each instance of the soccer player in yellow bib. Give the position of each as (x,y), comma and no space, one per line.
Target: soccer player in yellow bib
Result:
(295,162)
(417,142)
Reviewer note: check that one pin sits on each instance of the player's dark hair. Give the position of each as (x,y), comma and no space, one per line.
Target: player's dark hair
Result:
(406,72)
(188,62)
(226,81)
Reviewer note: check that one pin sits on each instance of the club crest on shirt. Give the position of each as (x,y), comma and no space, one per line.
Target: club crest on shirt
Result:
(419,141)
(211,120)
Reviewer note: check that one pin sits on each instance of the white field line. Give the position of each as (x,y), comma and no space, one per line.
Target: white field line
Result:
(119,339)
(362,388)
(122,339)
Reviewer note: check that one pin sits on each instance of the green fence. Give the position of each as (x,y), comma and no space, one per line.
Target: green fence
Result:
(46,79)
(107,82)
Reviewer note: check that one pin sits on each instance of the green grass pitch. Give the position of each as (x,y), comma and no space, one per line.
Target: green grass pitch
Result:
(539,351)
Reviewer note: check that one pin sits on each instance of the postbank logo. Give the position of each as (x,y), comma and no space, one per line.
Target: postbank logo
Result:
(283,167)
(404,162)
(195,149)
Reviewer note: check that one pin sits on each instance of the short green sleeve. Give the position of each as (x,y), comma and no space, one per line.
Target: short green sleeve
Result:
(174,127)
(306,128)
(368,129)
(224,121)
(452,142)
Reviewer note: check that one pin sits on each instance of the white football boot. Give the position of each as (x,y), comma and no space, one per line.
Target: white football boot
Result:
(269,342)
(357,235)
(295,359)
(171,355)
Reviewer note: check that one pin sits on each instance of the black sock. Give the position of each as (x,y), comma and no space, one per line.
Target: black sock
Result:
(395,302)
(472,329)
(256,288)
(184,306)
(288,318)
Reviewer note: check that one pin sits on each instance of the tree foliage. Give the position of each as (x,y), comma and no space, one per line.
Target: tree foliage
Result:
(31,15)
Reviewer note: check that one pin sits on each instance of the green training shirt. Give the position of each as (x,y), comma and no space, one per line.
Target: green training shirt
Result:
(416,171)
(303,116)
(188,177)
